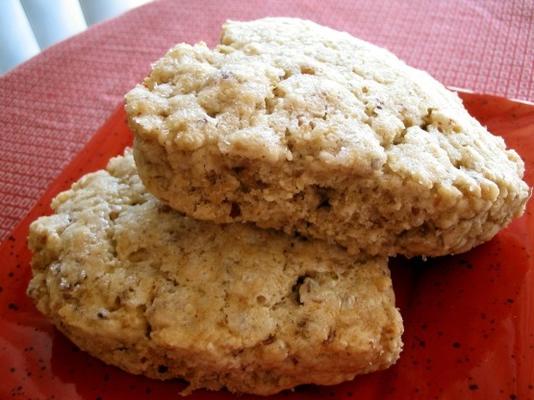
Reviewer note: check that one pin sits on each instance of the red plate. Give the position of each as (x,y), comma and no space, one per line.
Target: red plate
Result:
(469,319)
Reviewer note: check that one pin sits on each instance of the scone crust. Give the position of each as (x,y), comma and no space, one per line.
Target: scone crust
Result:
(295,126)
(153,292)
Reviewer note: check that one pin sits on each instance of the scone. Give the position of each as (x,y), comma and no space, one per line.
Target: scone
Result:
(147,289)
(295,126)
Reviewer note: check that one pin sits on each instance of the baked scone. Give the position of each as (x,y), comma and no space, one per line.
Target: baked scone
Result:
(147,289)
(295,126)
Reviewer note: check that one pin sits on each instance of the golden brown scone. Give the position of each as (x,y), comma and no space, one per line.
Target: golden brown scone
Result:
(142,287)
(295,126)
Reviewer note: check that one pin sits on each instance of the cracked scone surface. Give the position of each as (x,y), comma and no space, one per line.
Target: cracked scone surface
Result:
(299,127)
(145,288)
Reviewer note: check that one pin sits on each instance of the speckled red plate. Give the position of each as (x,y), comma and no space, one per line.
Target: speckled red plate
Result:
(469,319)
